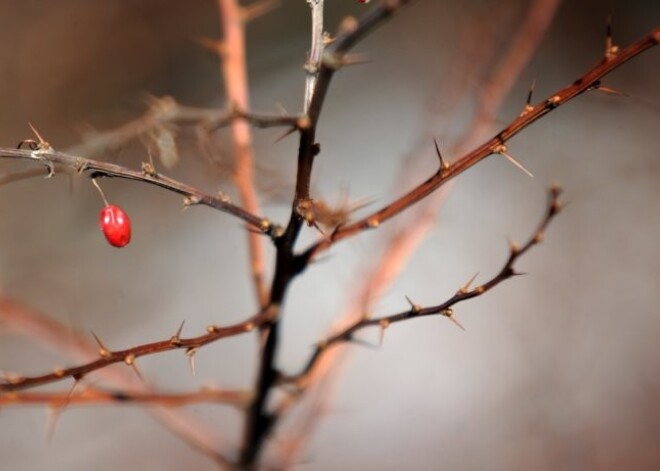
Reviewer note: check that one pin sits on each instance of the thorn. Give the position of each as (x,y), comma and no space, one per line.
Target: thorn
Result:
(610,90)
(443,165)
(363,343)
(36,133)
(528,104)
(466,287)
(287,133)
(103,350)
(449,314)
(611,49)
(190,353)
(414,308)
(176,338)
(384,324)
(216,46)
(130,361)
(55,411)
(501,149)
(530,93)
(354,59)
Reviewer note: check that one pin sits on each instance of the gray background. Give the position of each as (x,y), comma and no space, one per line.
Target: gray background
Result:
(557,370)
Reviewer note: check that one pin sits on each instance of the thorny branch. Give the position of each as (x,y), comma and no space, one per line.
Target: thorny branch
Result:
(496,145)
(95,169)
(129,355)
(259,420)
(445,308)
(313,397)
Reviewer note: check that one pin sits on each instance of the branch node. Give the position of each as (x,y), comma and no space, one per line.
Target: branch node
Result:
(373,222)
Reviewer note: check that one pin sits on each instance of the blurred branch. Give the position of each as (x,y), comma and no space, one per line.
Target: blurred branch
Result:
(96,396)
(166,110)
(234,70)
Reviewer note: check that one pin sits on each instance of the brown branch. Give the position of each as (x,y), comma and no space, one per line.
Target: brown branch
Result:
(109,357)
(587,82)
(259,421)
(95,169)
(445,308)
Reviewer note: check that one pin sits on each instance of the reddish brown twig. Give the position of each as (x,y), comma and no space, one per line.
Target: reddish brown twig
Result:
(587,82)
(128,356)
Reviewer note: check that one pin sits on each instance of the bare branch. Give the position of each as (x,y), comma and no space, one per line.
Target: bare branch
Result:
(96,169)
(464,293)
(587,82)
(110,357)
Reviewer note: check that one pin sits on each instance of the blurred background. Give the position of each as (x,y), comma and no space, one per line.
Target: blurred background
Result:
(559,369)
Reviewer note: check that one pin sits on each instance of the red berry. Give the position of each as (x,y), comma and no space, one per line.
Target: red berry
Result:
(116,225)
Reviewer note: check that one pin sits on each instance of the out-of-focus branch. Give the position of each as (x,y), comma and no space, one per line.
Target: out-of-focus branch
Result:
(523,44)
(234,70)
(164,111)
